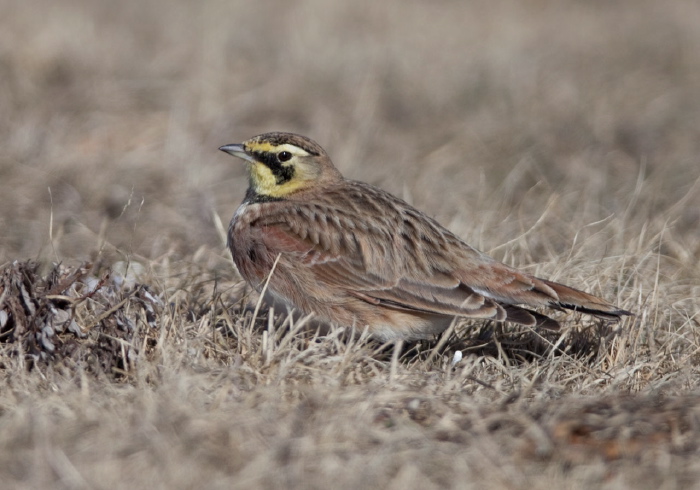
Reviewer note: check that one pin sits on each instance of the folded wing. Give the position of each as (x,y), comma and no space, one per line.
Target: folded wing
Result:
(410,262)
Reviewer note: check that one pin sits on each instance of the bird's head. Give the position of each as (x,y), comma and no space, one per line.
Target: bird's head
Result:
(281,164)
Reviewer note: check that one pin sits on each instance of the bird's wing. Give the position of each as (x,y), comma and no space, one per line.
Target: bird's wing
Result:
(399,258)
(510,286)
(370,263)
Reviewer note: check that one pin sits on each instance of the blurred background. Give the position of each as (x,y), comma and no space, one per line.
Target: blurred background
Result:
(494,117)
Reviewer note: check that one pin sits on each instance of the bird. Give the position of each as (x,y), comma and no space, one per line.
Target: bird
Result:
(354,255)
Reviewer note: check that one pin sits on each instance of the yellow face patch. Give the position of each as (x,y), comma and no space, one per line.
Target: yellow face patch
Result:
(264,182)
(277,177)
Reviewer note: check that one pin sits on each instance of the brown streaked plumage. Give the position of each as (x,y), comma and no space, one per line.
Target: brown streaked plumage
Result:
(355,255)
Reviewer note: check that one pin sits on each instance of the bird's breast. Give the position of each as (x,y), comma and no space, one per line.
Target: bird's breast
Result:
(247,249)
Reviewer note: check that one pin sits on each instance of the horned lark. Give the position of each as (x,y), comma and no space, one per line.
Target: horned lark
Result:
(354,255)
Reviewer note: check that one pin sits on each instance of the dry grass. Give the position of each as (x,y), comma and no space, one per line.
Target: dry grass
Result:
(562,137)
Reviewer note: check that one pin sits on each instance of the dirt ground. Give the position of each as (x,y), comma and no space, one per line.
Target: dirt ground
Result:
(560,137)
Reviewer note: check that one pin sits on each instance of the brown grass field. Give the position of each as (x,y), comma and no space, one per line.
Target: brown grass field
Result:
(560,137)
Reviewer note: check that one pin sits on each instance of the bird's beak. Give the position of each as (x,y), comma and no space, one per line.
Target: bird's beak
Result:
(237,150)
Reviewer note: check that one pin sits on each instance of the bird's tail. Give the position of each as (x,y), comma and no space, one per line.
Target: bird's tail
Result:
(573,299)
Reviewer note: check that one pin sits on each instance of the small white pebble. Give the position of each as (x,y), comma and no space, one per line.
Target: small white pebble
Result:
(457,357)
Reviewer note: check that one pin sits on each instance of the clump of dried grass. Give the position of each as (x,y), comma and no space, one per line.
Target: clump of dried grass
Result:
(70,317)
(175,372)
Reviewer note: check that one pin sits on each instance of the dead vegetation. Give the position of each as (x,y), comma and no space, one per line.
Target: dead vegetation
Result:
(559,137)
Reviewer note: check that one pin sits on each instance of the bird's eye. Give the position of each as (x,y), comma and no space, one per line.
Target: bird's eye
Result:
(284,156)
